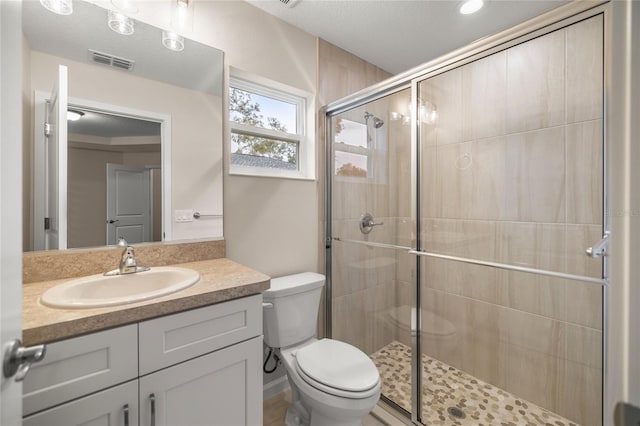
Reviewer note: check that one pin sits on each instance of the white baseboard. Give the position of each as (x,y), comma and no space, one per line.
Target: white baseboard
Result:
(275,387)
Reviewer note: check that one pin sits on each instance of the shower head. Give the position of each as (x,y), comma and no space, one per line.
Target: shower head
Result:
(377,122)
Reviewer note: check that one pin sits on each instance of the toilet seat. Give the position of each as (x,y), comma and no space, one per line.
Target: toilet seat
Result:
(337,368)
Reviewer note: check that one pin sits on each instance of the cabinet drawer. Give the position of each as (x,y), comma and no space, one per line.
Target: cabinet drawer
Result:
(82,365)
(102,408)
(175,338)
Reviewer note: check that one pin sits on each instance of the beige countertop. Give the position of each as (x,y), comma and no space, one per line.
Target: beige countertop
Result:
(220,280)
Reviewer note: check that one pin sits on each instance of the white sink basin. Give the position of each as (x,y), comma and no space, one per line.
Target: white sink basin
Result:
(98,290)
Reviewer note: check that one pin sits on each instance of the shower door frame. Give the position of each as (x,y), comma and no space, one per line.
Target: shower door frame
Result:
(558,18)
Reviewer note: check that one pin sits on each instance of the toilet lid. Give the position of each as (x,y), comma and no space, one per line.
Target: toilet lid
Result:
(338,365)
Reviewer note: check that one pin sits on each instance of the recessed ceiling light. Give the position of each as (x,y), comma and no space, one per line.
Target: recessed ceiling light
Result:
(470,6)
(74,115)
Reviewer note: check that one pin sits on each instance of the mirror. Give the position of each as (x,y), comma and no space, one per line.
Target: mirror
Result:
(143,107)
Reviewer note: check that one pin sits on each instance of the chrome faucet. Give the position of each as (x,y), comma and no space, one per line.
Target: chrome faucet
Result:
(128,263)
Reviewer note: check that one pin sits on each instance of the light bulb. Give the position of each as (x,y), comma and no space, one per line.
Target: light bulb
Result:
(172,41)
(120,23)
(61,7)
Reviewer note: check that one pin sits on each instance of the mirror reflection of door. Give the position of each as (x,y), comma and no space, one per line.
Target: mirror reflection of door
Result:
(128,204)
(111,162)
(55,160)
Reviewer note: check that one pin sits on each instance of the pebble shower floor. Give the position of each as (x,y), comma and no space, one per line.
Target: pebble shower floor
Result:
(453,397)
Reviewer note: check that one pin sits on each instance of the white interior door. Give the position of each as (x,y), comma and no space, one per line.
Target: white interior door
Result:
(56,165)
(128,204)
(10,194)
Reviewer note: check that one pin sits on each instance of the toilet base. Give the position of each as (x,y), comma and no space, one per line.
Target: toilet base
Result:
(296,415)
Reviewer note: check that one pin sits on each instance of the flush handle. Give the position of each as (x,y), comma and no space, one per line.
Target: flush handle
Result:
(367,222)
(18,359)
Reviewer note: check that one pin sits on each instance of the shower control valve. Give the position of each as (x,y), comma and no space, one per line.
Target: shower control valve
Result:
(367,223)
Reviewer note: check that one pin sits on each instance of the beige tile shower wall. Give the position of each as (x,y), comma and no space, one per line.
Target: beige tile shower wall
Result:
(512,173)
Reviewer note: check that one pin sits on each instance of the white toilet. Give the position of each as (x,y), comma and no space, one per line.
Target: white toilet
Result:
(332,382)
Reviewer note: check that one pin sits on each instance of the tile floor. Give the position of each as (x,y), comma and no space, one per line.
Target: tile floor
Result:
(447,388)
(276,408)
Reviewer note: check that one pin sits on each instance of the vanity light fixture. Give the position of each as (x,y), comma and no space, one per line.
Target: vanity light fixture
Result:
(120,23)
(172,41)
(61,7)
(427,113)
(74,115)
(470,6)
(182,15)
(125,6)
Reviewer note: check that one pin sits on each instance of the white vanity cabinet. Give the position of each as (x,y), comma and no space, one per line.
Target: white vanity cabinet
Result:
(199,367)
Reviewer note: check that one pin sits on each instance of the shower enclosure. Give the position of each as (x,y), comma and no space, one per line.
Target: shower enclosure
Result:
(461,200)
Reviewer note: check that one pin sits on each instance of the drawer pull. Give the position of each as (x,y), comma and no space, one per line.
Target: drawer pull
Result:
(125,409)
(152,399)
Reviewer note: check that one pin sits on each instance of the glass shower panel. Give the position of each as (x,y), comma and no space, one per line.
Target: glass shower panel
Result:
(373,283)
(506,347)
(511,195)
(371,172)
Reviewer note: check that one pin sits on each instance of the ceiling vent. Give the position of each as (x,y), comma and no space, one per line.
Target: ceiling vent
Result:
(289,3)
(111,60)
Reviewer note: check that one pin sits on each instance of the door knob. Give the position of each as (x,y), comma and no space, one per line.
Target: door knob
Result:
(18,359)
(111,221)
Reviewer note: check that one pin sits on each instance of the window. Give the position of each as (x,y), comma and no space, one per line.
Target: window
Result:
(270,125)
(360,151)
(352,151)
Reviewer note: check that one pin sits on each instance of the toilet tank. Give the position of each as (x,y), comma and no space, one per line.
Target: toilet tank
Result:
(294,315)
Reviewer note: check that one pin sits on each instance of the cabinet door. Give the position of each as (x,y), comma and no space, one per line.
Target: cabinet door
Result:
(222,388)
(117,406)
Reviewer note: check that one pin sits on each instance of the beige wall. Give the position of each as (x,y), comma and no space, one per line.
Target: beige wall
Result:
(623,134)
(270,224)
(196,135)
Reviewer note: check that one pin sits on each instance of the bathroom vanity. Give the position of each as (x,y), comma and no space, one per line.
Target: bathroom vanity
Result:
(193,357)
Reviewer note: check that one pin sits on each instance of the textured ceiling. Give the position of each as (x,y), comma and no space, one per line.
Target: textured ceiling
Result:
(397,35)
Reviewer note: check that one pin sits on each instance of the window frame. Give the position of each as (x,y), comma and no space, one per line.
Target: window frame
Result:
(304,136)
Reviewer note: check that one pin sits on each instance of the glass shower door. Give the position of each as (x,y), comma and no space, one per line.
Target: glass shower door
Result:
(511,195)
(373,275)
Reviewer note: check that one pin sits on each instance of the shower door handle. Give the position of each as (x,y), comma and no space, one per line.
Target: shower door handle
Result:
(599,249)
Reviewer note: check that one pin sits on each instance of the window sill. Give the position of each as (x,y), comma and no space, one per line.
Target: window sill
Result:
(268,173)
